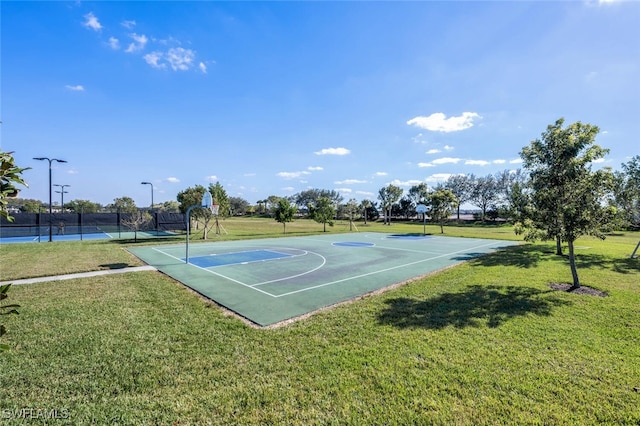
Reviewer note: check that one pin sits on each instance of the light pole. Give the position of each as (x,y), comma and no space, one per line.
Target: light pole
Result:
(149,183)
(61,192)
(50,160)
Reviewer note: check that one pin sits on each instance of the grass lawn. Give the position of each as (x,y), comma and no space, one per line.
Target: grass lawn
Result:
(486,342)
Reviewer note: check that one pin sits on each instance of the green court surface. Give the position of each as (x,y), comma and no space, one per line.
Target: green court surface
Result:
(271,280)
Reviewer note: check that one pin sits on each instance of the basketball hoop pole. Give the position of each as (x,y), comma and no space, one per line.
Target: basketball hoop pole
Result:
(421,208)
(207,200)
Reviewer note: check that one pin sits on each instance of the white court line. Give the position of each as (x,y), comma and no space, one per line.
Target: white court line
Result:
(215,273)
(380,271)
(251,286)
(324,261)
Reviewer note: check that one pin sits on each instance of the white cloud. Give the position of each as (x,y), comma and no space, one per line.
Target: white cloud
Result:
(175,179)
(433,151)
(77,88)
(345,190)
(446,160)
(499,161)
(426,165)
(598,160)
(448,148)
(381,173)
(439,177)
(438,122)
(333,151)
(179,58)
(365,193)
(114,43)
(92,22)
(139,42)
(212,178)
(349,182)
(202,67)
(315,168)
(128,24)
(410,182)
(154,59)
(515,161)
(288,189)
(292,175)
(476,162)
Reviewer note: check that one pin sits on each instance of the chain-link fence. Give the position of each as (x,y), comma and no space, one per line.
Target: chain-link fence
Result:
(42,224)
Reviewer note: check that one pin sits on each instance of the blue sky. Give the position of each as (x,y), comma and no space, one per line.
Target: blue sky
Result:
(272,98)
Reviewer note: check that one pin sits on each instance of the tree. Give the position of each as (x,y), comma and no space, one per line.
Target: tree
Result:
(169,207)
(307,199)
(512,194)
(441,204)
(193,197)
(352,209)
(388,196)
(29,205)
(567,196)
(460,186)
(367,206)
(238,206)
(627,192)
(137,221)
(323,211)
(82,206)
(220,197)
(484,193)
(418,193)
(123,205)
(406,207)
(272,202)
(284,212)
(10,176)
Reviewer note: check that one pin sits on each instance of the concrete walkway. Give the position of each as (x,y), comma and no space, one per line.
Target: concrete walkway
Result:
(80,275)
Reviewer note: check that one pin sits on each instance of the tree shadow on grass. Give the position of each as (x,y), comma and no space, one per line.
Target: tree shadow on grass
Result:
(522,256)
(530,255)
(475,306)
(620,265)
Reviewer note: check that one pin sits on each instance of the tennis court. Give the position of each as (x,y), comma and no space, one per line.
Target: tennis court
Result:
(271,280)
(84,236)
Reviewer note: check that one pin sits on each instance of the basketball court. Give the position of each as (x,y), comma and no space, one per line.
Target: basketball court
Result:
(272,280)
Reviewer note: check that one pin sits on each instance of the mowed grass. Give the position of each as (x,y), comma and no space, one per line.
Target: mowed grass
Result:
(486,342)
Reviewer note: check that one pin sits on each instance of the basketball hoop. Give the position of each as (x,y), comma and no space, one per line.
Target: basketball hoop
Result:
(214,209)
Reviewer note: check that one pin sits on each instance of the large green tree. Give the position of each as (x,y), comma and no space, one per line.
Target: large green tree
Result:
(567,196)
(388,196)
(460,186)
(441,204)
(485,193)
(82,206)
(124,205)
(627,192)
(323,211)
(284,212)
(10,176)
(192,196)
(220,197)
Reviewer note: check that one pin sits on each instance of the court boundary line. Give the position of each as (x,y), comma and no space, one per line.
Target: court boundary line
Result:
(255,286)
(380,271)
